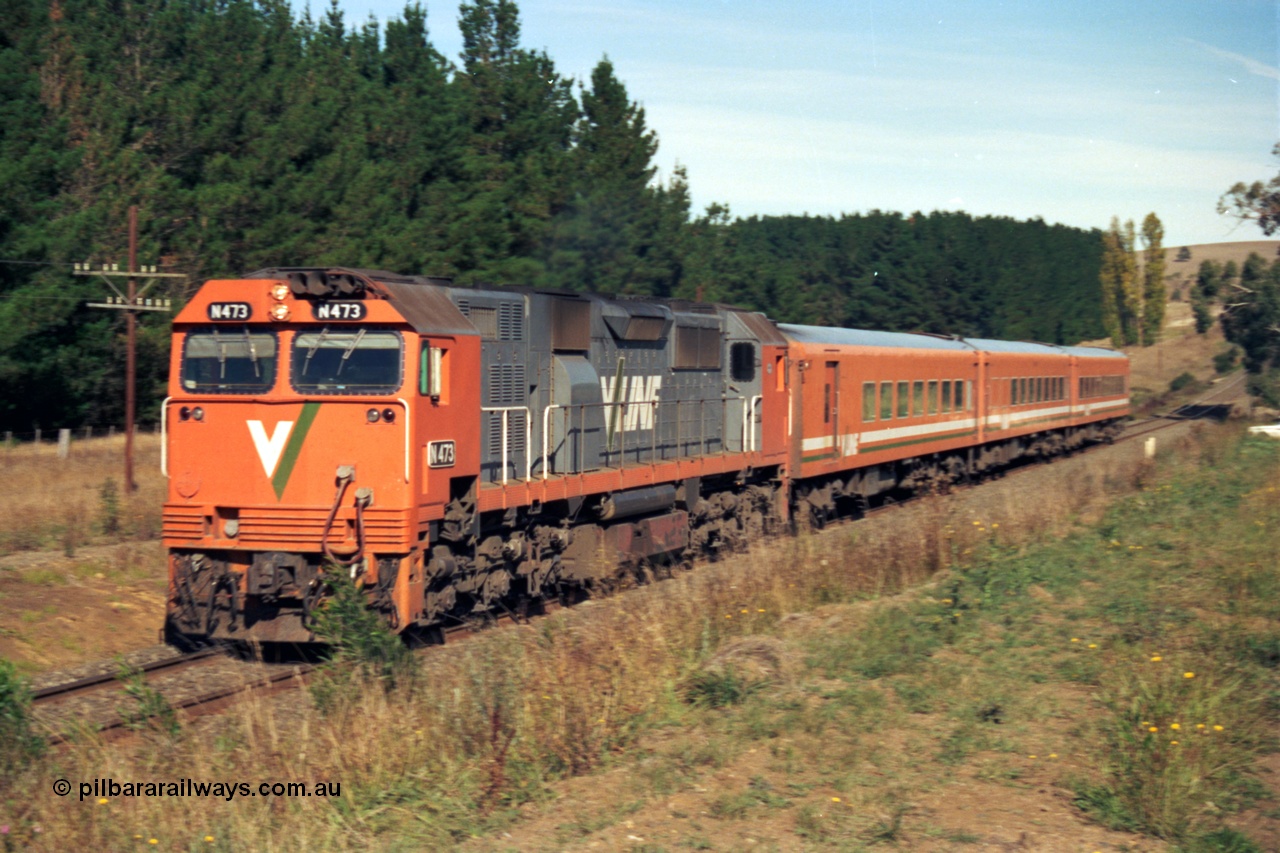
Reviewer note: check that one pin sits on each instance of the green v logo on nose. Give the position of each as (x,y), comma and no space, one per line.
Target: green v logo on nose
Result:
(279,451)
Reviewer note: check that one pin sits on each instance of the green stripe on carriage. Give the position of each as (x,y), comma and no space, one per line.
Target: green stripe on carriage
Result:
(293,448)
(868,448)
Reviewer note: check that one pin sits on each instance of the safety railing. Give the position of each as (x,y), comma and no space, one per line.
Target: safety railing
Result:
(506,437)
(617,416)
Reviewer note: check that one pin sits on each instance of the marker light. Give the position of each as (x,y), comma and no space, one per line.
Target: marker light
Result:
(279,292)
(372,415)
(279,312)
(197,413)
(184,414)
(389,415)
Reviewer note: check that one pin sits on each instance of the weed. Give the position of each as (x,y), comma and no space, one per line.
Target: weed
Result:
(148,710)
(1222,841)
(359,639)
(718,689)
(109,507)
(19,745)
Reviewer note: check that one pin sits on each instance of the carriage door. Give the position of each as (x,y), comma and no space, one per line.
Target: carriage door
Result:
(831,403)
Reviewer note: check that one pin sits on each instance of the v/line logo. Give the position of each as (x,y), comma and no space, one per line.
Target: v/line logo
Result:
(634,396)
(279,451)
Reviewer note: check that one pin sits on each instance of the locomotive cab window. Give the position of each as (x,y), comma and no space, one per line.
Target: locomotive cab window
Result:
(228,360)
(742,362)
(347,361)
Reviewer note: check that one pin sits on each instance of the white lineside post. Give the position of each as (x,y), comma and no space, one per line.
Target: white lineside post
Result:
(64,443)
(1149,448)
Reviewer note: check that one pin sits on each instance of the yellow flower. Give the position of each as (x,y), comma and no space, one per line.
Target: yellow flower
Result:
(208,838)
(1188,675)
(1217,728)
(153,841)
(1093,645)
(835,799)
(744,610)
(1154,729)
(994,525)
(1030,756)
(1175,727)
(1156,658)
(759,609)
(1053,755)
(1146,722)
(1199,725)
(102,801)
(1173,743)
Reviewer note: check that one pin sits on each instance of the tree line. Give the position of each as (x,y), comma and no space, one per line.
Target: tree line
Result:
(253,136)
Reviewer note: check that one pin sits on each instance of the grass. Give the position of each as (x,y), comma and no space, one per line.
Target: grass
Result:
(814,691)
(70,503)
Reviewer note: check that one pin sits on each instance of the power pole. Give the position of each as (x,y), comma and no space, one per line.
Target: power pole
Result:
(131,303)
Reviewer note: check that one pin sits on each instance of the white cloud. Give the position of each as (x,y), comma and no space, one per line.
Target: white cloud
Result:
(1253,66)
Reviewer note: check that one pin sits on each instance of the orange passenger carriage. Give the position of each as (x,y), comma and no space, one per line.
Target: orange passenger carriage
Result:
(461,451)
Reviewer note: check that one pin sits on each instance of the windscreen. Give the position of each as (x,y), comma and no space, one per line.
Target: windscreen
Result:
(347,360)
(228,360)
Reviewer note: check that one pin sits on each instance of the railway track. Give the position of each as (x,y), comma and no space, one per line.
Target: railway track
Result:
(120,696)
(207,681)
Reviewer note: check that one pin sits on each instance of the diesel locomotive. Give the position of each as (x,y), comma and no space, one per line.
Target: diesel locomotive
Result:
(458,451)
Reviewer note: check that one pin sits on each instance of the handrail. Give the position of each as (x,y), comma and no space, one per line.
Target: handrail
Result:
(749,406)
(164,438)
(749,422)
(408,435)
(528,437)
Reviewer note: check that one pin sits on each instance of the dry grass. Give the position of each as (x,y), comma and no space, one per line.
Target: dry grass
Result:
(60,503)
(486,726)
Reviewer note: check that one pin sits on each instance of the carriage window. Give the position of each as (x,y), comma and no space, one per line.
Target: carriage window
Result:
(347,361)
(868,401)
(933,396)
(886,401)
(917,398)
(228,360)
(1013,392)
(960,396)
(946,395)
(904,400)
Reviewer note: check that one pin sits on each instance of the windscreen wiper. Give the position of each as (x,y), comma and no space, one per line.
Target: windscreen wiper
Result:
(253,353)
(346,355)
(313,349)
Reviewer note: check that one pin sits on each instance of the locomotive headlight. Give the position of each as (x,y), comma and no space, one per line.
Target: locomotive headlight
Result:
(184,414)
(197,413)
(389,415)
(280,292)
(372,415)
(279,312)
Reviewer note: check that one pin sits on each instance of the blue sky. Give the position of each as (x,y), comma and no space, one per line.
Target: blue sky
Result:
(1071,112)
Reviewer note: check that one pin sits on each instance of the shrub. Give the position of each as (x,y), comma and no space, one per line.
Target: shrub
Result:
(1226,361)
(147,710)
(360,641)
(1182,380)
(18,744)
